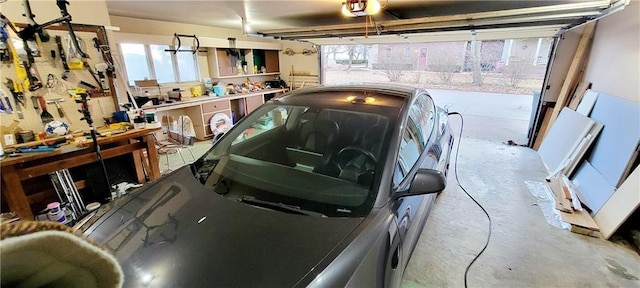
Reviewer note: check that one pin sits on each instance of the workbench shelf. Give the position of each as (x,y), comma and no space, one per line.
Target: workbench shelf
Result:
(248,75)
(201,109)
(223,62)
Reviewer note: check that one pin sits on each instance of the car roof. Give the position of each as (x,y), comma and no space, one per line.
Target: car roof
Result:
(389,89)
(342,96)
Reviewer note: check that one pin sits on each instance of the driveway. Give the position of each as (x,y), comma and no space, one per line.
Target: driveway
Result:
(490,116)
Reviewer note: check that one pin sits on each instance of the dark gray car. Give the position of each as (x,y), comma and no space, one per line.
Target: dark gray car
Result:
(322,187)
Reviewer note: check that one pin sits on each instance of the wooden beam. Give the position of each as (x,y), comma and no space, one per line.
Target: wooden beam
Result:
(575,69)
(14,194)
(578,94)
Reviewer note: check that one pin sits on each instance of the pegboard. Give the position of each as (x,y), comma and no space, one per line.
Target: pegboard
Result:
(100,107)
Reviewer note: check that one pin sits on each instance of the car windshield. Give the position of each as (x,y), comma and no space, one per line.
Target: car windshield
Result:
(319,160)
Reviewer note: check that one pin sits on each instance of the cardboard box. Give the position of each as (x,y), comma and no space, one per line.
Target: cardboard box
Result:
(9,133)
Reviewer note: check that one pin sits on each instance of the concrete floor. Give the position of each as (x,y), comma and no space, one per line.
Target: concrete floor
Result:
(524,250)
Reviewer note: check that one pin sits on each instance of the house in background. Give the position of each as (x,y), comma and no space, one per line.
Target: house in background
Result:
(494,54)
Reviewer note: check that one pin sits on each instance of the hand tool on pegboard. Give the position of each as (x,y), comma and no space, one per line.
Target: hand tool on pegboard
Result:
(22,80)
(45,116)
(63,58)
(3,109)
(34,102)
(32,71)
(18,96)
(4,97)
(106,55)
(61,111)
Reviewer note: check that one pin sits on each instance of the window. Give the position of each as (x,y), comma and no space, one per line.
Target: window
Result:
(272,119)
(422,115)
(415,137)
(410,149)
(135,59)
(162,64)
(153,62)
(187,67)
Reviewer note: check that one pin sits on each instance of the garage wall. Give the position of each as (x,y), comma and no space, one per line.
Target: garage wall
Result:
(613,65)
(82,12)
(134,30)
(300,63)
(153,27)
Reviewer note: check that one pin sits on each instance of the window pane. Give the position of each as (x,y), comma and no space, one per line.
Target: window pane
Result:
(409,149)
(272,119)
(422,114)
(187,66)
(162,64)
(135,62)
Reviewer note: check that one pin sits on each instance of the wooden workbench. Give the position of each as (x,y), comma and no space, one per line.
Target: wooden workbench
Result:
(15,170)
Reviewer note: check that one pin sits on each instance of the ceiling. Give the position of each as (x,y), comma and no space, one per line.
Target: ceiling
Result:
(320,21)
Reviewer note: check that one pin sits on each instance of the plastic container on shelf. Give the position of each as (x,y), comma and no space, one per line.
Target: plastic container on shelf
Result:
(219,90)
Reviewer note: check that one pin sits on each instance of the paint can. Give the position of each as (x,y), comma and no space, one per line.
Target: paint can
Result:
(55,213)
(25,136)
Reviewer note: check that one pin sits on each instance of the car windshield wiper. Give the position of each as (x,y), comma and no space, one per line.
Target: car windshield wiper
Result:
(279,206)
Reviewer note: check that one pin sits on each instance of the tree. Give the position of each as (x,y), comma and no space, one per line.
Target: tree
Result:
(516,70)
(330,50)
(354,52)
(396,59)
(445,60)
(483,57)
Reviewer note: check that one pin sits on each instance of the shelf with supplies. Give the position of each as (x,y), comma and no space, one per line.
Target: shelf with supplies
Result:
(202,109)
(225,62)
(248,75)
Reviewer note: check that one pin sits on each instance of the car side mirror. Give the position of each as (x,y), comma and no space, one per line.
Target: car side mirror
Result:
(426,181)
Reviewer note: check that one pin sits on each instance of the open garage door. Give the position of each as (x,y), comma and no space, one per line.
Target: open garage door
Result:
(425,18)
(544,22)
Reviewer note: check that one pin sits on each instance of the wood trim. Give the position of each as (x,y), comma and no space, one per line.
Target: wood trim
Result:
(578,94)
(577,64)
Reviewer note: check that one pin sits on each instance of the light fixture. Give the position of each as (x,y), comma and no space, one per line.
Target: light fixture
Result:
(353,8)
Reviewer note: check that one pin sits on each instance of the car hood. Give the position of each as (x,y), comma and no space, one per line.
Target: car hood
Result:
(174,232)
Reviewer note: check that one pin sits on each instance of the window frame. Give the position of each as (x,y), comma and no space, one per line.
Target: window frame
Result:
(418,132)
(152,69)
